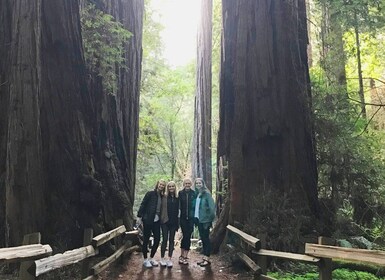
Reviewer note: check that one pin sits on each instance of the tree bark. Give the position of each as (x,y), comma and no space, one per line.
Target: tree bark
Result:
(201,155)
(67,157)
(48,136)
(117,126)
(265,125)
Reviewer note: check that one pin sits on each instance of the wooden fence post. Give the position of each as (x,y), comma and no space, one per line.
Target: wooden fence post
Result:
(118,240)
(87,239)
(262,260)
(32,238)
(325,266)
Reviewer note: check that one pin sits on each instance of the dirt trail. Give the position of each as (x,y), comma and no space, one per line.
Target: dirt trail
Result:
(133,269)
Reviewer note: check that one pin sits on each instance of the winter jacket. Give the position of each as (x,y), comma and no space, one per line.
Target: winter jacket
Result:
(170,210)
(206,208)
(147,209)
(187,200)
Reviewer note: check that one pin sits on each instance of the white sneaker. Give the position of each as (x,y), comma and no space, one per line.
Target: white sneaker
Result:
(153,262)
(169,263)
(163,262)
(147,263)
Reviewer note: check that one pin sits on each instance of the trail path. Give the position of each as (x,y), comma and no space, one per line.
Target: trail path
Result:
(133,269)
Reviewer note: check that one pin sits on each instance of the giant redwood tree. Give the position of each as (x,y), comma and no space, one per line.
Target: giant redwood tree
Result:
(201,155)
(67,152)
(265,118)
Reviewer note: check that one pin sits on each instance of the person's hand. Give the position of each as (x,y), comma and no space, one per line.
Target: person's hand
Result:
(139,221)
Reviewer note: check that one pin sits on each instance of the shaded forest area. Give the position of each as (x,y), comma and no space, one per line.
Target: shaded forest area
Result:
(282,112)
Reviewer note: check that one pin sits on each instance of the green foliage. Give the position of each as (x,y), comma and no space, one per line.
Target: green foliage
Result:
(350,155)
(338,274)
(166,113)
(103,41)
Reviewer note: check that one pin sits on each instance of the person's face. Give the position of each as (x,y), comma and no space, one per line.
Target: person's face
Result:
(199,184)
(187,184)
(171,188)
(161,186)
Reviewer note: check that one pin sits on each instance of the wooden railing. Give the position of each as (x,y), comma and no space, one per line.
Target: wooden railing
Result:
(251,251)
(37,259)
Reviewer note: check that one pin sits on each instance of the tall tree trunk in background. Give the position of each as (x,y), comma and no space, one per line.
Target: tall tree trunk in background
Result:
(48,134)
(359,68)
(201,156)
(309,46)
(332,53)
(265,125)
(117,126)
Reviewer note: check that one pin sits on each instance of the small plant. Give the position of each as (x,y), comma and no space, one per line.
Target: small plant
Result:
(103,40)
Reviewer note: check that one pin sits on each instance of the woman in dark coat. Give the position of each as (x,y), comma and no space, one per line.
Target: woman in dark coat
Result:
(169,222)
(149,213)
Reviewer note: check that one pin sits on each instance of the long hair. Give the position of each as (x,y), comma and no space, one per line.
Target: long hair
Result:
(157,184)
(171,183)
(204,187)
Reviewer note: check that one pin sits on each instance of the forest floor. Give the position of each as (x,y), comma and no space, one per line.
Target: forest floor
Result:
(133,268)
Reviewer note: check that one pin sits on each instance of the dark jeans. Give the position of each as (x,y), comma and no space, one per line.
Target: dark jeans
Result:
(187,227)
(147,229)
(168,233)
(204,232)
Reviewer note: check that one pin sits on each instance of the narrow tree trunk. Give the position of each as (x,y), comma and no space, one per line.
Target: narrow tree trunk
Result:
(359,69)
(265,126)
(201,156)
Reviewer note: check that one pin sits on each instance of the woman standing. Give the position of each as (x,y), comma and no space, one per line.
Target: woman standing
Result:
(149,213)
(187,198)
(169,222)
(204,214)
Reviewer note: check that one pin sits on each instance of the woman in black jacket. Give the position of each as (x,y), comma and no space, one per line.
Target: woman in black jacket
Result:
(149,213)
(169,222)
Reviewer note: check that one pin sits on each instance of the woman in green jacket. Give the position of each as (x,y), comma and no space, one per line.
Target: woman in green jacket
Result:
(204,215)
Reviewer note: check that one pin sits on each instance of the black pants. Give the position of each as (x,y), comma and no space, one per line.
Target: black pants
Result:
(187,227)
(204,232)
(147,229)
(168,234)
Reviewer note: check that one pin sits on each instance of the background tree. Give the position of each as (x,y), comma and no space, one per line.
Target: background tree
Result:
(201,155)
(265,127)
(114,61)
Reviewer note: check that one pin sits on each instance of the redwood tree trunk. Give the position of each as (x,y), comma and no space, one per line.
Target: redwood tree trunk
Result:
(48,135)
(67,157)
(201,156)
(265,126)
(117,126)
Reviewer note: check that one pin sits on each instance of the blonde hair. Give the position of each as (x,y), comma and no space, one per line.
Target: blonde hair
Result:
(176,188)
(157,184)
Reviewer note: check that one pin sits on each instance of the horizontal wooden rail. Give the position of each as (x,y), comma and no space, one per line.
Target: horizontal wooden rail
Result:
(286,255)
(104,237)
(347,254)
(24,253)
(251,240)
(99,267)
(250,263)
(60,260)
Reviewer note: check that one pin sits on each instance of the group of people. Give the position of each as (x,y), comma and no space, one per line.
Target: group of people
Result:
(164,209)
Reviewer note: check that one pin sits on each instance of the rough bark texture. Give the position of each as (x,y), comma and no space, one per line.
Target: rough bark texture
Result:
(48,143)
(265,126)
(67,153)
(201,155)
(116,128)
